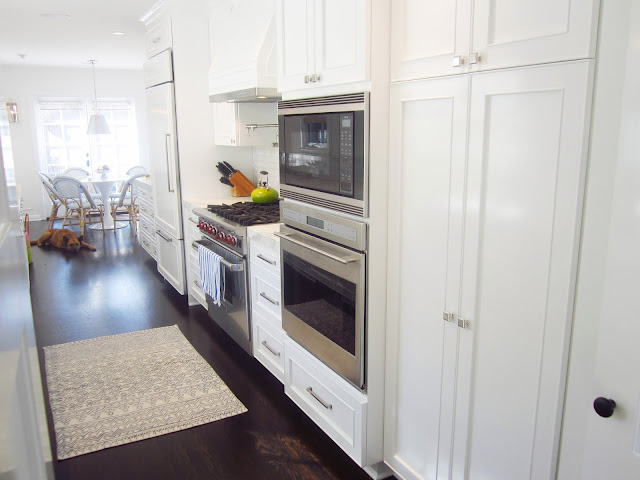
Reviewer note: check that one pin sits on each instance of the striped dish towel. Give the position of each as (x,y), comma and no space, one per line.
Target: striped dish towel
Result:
(211,274)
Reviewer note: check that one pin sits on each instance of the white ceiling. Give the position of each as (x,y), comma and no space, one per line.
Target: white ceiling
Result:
(88,34)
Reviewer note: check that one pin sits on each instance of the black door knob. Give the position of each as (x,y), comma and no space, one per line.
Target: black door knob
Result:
(604,406)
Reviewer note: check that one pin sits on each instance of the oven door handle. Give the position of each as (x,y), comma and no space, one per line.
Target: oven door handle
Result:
(234,267)
(287,236)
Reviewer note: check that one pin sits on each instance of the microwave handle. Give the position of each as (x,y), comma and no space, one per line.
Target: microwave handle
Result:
(286,236)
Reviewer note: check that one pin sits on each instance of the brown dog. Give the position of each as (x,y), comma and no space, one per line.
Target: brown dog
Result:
(63,238)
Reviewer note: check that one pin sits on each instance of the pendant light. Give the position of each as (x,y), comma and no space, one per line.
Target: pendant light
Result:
(97,122)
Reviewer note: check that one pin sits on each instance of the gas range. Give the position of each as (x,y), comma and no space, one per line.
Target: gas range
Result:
(227,224)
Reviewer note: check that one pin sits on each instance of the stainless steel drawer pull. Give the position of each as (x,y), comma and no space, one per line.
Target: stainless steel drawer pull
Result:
(326,405)
(195,282)
(192,220)
(272,262)
(161,235)
(286,236)
(264,295)
(266,345)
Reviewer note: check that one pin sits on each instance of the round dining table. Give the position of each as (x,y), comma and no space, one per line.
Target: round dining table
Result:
(104,184)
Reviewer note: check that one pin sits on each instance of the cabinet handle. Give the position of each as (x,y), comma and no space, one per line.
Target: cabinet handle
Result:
(263,295)
(266,345)
(161,235)
(448,317)
(326,405)
(156,40)
(167,137)
(315,77)
(307,79)
(193,221)
(458,61)
(195,282)
(272,262)
(474,57)
(462,323)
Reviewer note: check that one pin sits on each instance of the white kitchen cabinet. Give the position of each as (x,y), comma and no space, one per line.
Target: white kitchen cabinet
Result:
(329,400)
(146,216)
(195,294)
(482,267)
(322,43)
(442,38)
(266,299)
(245,124)
(158,36)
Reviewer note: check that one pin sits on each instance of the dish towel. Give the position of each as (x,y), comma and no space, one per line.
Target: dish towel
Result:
(211,274)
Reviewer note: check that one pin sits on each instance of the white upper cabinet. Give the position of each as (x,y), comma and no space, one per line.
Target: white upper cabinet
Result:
(427,39)
(442,38)
(321,43)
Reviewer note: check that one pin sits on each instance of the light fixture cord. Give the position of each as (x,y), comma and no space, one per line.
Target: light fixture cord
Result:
(95,94)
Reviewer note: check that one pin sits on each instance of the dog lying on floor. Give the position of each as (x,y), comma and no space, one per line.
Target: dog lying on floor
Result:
(63,238)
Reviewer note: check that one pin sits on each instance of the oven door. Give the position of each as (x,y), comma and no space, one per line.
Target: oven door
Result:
(232,315)
(323,291)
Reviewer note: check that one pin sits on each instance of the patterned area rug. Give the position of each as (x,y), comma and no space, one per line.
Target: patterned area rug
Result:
(114,390)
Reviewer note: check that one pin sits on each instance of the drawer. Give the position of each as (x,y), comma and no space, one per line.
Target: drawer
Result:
(146,226)
(191,225)
(268,345)
(158,38)
(149,244)
(195,290)
(330,401)
(265,253)
(146,211)
(265,295)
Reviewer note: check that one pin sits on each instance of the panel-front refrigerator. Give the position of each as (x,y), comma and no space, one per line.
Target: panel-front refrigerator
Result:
(165,171)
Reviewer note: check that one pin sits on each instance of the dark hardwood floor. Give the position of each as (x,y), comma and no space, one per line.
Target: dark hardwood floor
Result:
(118,289)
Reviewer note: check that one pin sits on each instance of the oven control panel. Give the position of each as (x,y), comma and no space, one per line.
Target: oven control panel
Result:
(219,233)
(336,229)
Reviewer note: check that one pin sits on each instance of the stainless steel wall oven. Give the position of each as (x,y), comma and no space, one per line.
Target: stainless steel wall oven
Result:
(324,286)
(323,151)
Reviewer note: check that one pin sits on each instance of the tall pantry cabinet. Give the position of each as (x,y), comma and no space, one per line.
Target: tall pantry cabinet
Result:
(486,175)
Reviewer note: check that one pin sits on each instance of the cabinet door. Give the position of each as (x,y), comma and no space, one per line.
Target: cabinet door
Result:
(167,203)
(426,175)
(170,254)
(526,166)
(426,38)
(224,124)
(521,32)
(295,39)
(341,31)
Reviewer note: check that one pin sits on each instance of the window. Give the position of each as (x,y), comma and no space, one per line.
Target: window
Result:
(64,142)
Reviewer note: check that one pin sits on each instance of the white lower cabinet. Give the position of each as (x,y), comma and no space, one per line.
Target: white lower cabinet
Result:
(268,345)
(486,176)
(195,294)
(146,216)
(329,400)
(265,294)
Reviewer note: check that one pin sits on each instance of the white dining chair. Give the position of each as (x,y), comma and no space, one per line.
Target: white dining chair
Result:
(136,170)
(77,173)
(126,203)
(78,202)
(56,201)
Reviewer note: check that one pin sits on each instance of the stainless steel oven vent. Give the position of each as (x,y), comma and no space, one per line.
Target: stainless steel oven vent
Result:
(353,98)
(320,202)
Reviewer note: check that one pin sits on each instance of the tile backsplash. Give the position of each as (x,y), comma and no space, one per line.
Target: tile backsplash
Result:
(267,159)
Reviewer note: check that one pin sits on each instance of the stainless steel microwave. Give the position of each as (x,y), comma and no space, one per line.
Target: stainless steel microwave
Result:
(323,152)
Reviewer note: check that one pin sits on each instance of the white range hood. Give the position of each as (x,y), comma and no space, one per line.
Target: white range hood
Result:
(243,46)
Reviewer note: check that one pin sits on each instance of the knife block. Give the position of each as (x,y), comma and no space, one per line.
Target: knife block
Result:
(242,186)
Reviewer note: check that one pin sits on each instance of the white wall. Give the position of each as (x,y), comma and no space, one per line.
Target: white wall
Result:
(24,84)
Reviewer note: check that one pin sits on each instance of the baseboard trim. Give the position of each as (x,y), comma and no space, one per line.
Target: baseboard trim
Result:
(378,471)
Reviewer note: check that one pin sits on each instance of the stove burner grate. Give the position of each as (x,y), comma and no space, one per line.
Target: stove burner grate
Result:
(248,213)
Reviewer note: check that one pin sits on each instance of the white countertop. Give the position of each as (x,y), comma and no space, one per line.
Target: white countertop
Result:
(267,229)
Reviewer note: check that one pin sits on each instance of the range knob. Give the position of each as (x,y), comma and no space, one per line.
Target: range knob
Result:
(220,236)
(201,225)
(207,228)
(231,240)
(214,230)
